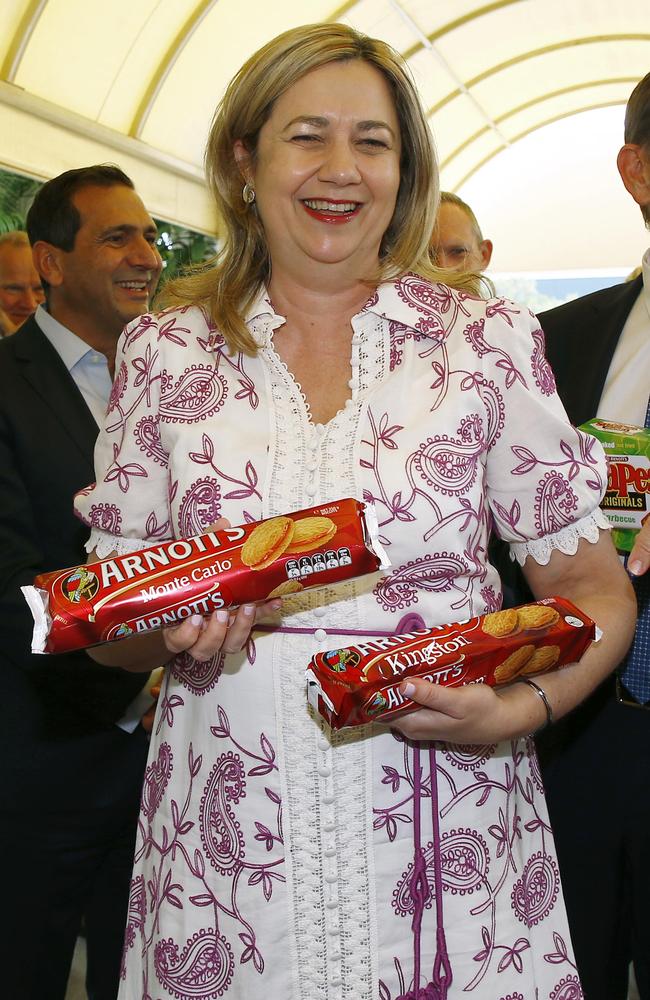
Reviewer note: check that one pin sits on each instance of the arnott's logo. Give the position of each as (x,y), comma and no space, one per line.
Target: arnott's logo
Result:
(81,585)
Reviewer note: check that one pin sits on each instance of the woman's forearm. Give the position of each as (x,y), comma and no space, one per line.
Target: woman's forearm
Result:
(139,653)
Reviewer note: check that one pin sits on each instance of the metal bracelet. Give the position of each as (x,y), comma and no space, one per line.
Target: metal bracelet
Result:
(547,705)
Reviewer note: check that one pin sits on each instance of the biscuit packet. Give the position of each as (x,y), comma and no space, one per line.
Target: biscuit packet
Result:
(86,605)
(361,683)
(626,503)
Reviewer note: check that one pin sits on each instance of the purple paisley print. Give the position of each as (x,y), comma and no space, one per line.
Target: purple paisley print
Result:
(204,968)
(221,834)
(156,777)
(200,506)
(198,676)
(568,988)
(105,516)
(198,393)
(434,573)
(542,371)
(555,503)
(535,893)
(147,436)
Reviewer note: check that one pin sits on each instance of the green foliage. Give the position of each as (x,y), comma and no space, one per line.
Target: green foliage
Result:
(16,194)
(180,248)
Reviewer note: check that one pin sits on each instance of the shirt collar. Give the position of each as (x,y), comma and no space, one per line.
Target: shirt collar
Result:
(645,270)
(67,344)
(401,301)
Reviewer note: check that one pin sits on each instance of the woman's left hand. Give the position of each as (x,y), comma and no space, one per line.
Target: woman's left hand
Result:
(474,713)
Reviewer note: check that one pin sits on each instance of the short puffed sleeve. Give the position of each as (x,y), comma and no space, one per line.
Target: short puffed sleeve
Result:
(545,478)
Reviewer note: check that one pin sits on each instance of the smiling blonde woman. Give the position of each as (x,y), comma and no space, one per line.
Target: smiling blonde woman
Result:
(319,357)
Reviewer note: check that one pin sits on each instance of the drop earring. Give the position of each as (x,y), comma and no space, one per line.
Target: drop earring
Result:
(248,194)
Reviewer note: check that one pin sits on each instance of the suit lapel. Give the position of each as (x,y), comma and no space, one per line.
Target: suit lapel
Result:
(42,367)
(610,319)
(580,344)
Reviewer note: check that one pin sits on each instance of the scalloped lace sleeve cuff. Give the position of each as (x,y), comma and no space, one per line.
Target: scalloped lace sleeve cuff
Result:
(566,540)
(104,543)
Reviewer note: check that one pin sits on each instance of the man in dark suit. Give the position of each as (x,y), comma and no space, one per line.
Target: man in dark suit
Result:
(596,761)
(72,756)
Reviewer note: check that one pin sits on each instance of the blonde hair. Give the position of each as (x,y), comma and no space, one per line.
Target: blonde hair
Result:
(227,285)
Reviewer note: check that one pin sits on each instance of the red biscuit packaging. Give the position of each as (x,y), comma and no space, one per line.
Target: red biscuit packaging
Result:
(361,683)
(86,605)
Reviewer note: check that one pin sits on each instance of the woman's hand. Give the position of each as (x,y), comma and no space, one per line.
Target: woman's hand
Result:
(596,582)
(639,560)
(223,632)
(475,713)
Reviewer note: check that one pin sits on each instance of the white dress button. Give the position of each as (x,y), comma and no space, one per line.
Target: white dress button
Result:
(320,635)
(310,489)
(311,464)
(354,383)
(330,852)
(329,827)
(324,771)
(331,879)
(336,981)
(328,800)
(332,904)
(320,611)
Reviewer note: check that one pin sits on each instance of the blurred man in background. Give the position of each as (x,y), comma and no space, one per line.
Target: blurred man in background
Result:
(21,290)
(72,749)
(457,242)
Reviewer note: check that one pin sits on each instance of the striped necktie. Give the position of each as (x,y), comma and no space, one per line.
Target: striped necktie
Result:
(635,670)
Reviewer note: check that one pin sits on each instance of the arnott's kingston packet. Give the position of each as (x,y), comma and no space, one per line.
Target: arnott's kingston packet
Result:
(360,684)
(86,605)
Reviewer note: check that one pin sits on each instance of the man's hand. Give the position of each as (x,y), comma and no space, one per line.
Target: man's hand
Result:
(639,559)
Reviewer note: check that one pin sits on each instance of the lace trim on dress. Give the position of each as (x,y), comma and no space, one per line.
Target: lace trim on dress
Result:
(104,543)
(330,834)
(566,539)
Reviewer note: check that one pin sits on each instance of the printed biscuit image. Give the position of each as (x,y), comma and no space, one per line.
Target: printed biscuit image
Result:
(513,664)
(311,533)
(267,542)
(542,659)
(500,623)
(533,616)
(285,588)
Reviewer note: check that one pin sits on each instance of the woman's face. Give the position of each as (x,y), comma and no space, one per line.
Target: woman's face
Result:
(327,170)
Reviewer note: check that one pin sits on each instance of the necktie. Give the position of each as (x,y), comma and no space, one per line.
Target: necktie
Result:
(635,670)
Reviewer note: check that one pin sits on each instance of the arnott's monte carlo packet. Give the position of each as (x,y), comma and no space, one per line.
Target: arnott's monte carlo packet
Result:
(86,605)
(361,683)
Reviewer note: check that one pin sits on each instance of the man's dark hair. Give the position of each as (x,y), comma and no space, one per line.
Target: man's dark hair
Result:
(53,216)
(637,114)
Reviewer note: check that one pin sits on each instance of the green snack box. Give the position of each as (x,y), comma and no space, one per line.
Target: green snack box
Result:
(626,503)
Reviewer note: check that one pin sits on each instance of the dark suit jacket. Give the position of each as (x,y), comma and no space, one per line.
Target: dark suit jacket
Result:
(581,337)
(47,436)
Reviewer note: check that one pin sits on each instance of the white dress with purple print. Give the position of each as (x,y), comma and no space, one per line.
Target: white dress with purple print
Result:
(278,860)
